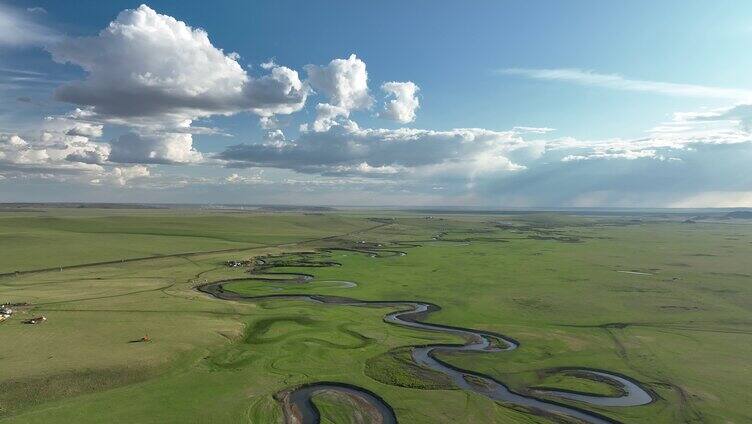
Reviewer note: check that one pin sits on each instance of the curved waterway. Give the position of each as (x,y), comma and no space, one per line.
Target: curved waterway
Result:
(299,407)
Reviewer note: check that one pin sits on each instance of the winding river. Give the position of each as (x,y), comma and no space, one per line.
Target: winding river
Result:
(299,407)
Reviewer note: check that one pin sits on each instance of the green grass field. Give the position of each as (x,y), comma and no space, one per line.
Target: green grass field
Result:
(664,302)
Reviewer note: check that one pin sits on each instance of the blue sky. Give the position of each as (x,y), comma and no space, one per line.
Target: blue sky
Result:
(631,103)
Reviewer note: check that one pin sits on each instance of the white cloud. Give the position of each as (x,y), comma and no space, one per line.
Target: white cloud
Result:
(56,156)
(404,102)
(15,150)
(618,82)
(170,148)
(254,178)
(740,114)
(364,168)
(49,151)
(606,152)
(17,29)
(50,155)
(91,154)
(533,130)
(514,165)
(350,150)
(280,92)
(148,69)
(684,132)
(13,140)
(123,175)
(85,129)
(327,116)
(345,83)
(156,76)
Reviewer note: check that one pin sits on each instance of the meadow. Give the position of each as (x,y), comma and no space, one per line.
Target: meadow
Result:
(664,302)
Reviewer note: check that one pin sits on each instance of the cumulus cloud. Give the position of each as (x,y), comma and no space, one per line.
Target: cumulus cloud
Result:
(85,129)
(403,103)
(253,178)
(123,175)
(64,149)
(150,69)
(47,154)
(94,154)
(14,149)
(345,83)
(515,167)
(280,92)
(327,116)
(157,76)
(740,113)
(54,155)
(384,152)
(170,148)
(684,132)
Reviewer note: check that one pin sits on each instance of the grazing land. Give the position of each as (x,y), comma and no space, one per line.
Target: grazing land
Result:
(147,322)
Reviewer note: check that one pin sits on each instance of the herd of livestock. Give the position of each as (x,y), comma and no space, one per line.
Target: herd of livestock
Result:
(6,312)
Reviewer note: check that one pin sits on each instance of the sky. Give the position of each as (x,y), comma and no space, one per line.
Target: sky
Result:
(503,104)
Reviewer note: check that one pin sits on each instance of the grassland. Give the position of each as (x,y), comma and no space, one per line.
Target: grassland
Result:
(678,320)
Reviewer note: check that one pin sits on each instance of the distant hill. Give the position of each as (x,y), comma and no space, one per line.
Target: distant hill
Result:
(739,215)
(285,208)
(76,205)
